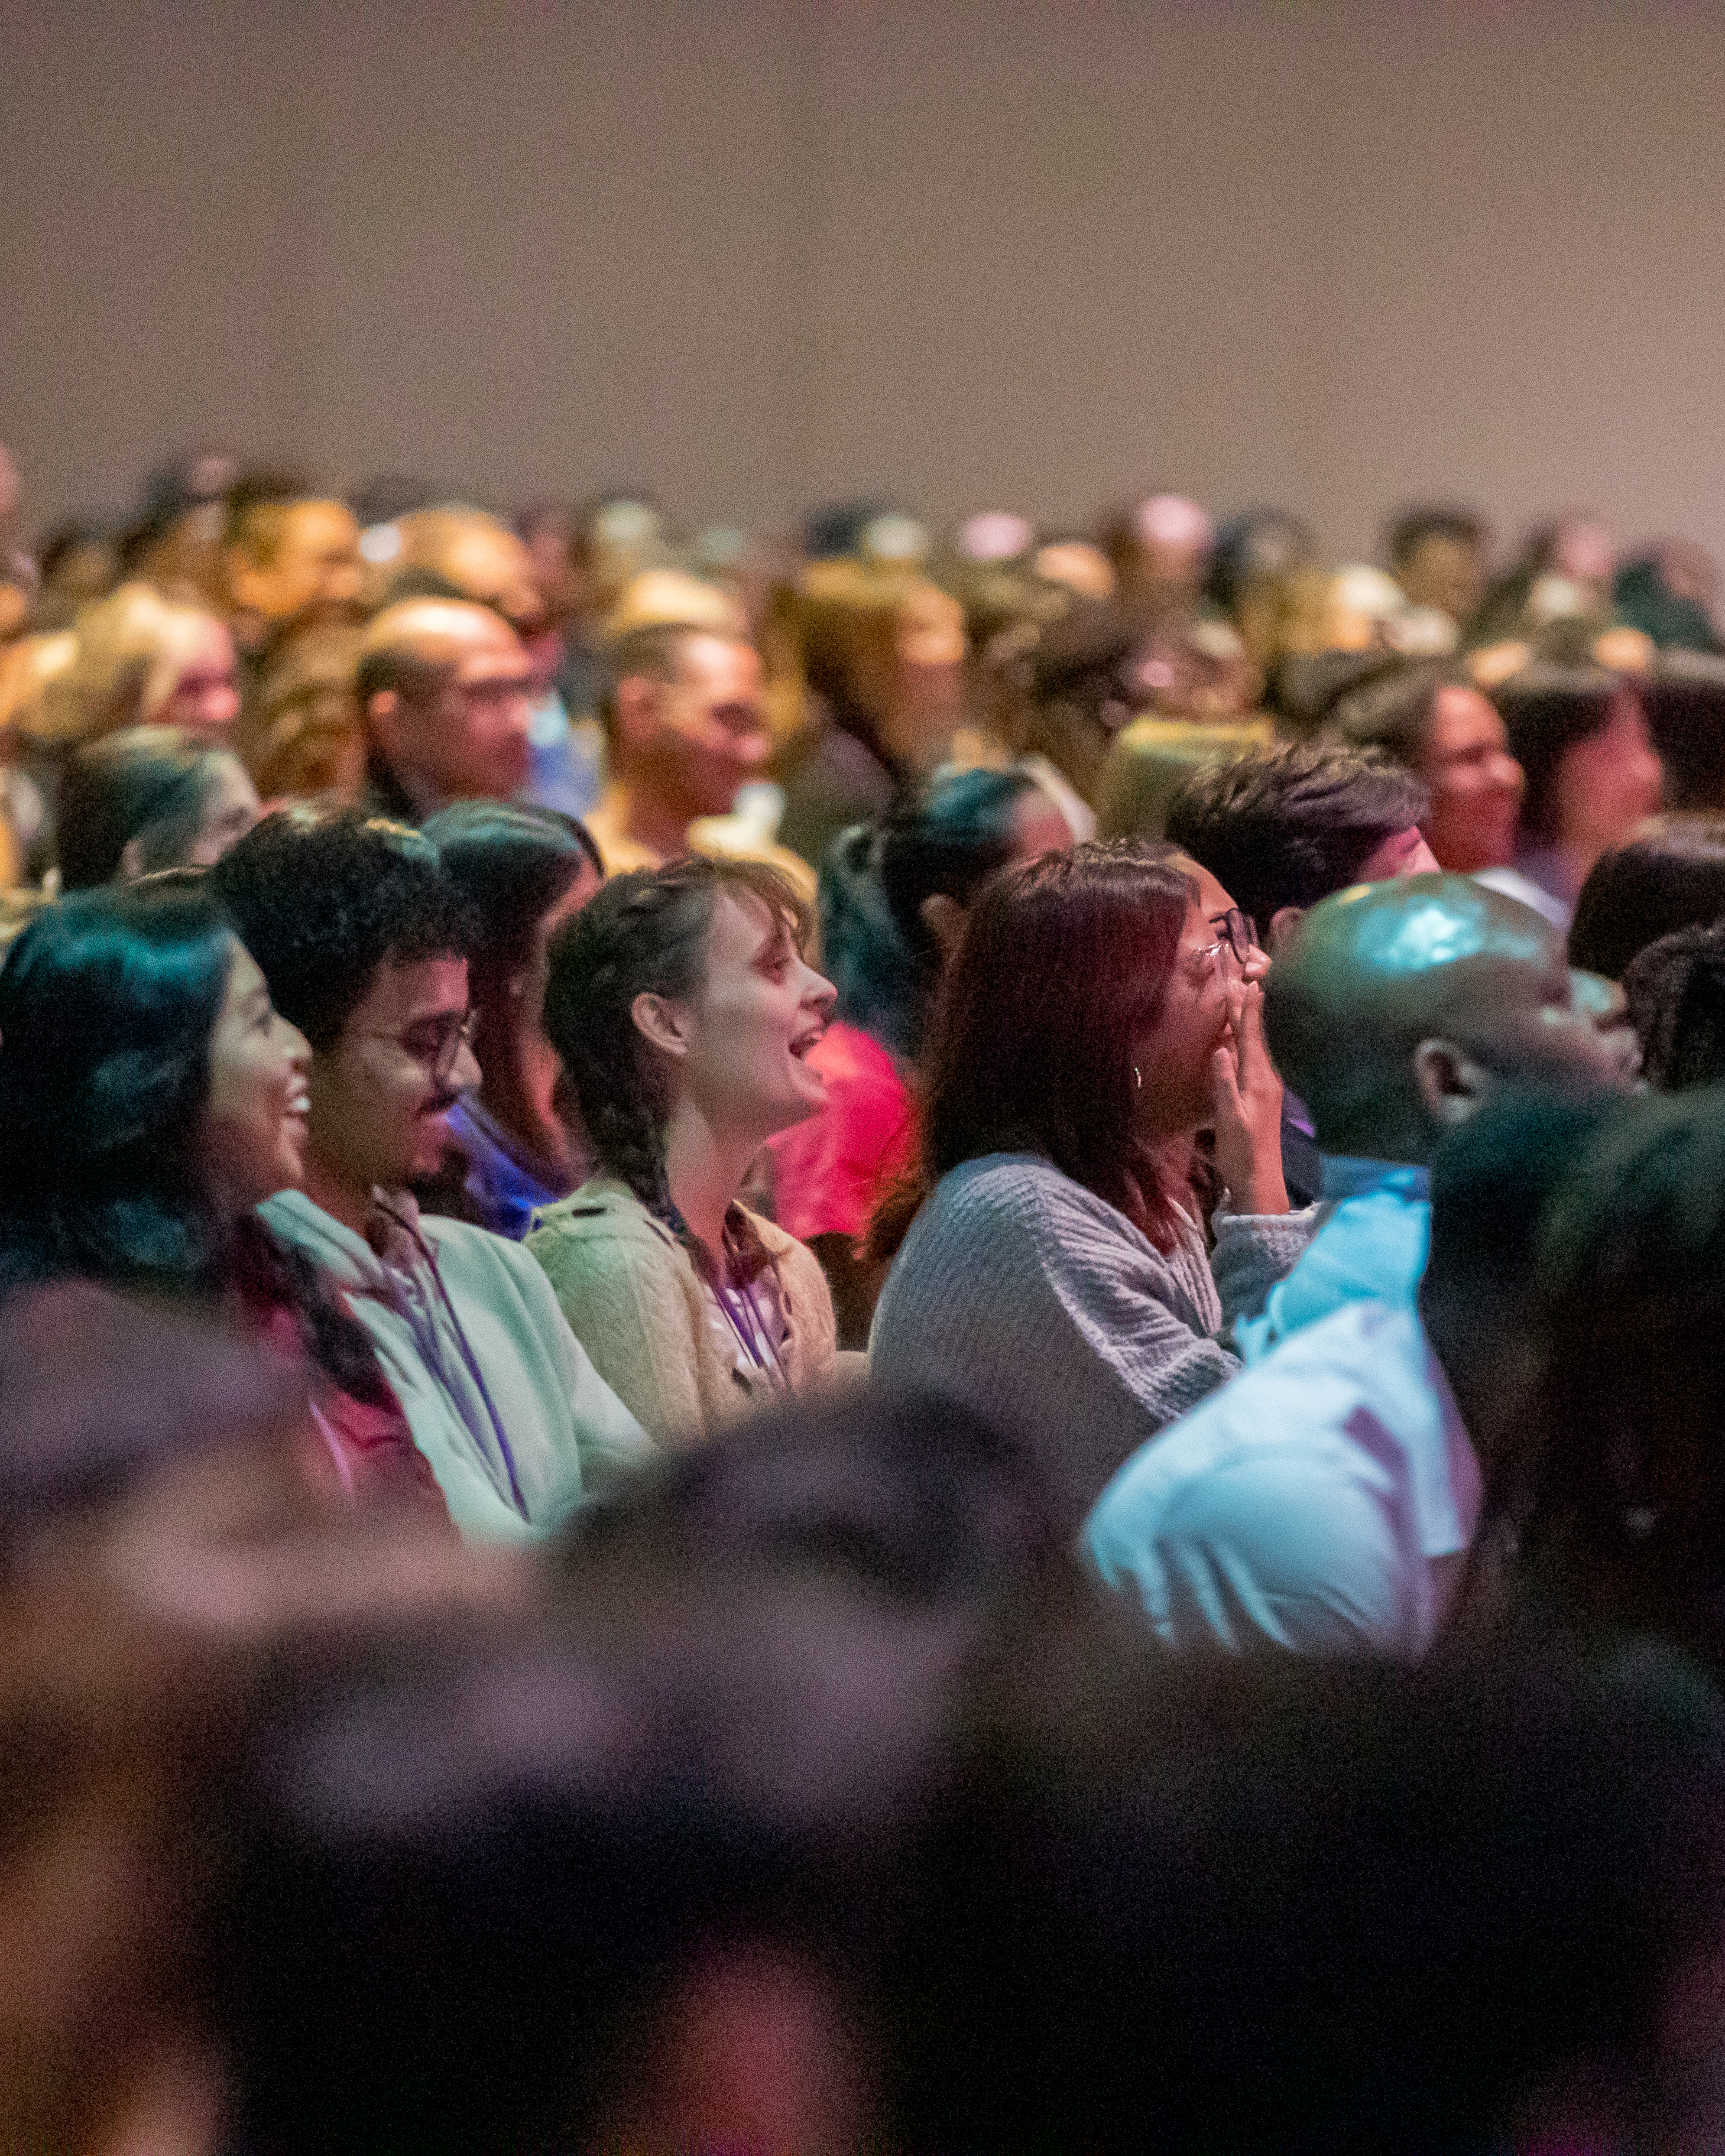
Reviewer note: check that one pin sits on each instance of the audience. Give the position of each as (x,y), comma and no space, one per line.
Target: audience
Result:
(522,874)
(1450,737)
(443,690)
(1670,875)
(1580,736)
(1325,1501)
(152,1099)
(1397,1012)
(892,903)
(686,1015)
(684,725)
(1675,992)
(418,1648)
(1056,1276)
(150,799)
(502,1400)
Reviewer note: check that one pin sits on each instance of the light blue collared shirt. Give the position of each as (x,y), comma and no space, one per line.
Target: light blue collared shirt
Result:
(1323,1500)
(1371,1248)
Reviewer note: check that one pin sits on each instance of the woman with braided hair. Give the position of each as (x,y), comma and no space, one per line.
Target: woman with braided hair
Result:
(684,1013)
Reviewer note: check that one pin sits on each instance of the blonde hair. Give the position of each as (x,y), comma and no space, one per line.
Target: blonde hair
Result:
(129,652)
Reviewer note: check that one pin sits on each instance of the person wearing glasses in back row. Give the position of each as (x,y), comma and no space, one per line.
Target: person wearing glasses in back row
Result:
(363,939)
(445,694)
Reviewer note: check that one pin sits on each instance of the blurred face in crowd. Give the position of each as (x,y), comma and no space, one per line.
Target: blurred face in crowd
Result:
(253,1141)
(382,1094)
(740,1046)
(466,740)
(206,693)
(929,647)
(692,742)
(230,808)
(1609,782)
(1172,1055)
(312,571)
(1476,784)
(1446,573)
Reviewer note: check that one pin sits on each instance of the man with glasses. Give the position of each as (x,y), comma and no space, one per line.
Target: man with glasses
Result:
(445,688)
(363,938)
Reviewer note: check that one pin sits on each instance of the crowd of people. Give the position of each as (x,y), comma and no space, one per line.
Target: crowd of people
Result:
(862,1338)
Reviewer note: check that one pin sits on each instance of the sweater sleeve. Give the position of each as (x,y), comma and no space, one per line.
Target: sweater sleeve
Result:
(627,1309)
(1253,1251)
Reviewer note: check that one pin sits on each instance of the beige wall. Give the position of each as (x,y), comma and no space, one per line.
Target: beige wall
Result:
(756,253)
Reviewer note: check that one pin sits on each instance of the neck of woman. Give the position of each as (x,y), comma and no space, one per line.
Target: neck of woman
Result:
(704,1168)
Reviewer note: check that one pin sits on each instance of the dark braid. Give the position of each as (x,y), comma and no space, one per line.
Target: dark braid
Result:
(645,933)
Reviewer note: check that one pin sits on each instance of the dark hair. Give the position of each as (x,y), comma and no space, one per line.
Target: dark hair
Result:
(642,933)
(1670,875)
(511,866)
(150,784)
(1684,697)
(1413,528)
(874,881)
(108,1004)
(257,503)
(1392,711)
(1619,1490)
(1676,993)
(1288,825)
(1545,709)
(1262,543)
(321,899)
(1062,959)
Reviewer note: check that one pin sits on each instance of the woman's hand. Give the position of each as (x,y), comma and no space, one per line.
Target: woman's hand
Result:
(1246,1094)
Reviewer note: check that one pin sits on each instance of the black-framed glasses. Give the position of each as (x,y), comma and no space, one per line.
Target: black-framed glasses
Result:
(1238,931)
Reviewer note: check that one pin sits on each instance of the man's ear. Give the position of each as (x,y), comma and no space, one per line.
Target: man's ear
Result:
(131,862)
(662,1022)
(1283,923)
(636,703)
(1451,1084)
(944,918)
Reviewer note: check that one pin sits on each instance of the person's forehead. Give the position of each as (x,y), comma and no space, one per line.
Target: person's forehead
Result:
(245,977)
(714,666)
(1212,895)
(1463,714)
(402,992)
(743,926)
(488,646)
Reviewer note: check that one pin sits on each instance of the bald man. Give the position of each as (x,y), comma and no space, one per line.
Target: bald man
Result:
(1395,1012)
(445,689)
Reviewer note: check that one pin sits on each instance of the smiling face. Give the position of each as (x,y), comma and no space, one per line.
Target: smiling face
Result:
(253,1142)
(747,1032)
(1173,1055)
(1476,784)
(379,1103)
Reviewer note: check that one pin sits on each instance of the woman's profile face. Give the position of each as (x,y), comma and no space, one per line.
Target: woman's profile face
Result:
(206,693)
(748,1029)
(1173,1055)
(254,1136)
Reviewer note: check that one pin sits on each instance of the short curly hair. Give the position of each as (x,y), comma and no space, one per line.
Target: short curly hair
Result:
(1288,826)
(322,899)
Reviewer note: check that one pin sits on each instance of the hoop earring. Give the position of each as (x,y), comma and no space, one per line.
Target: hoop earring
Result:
(1137,1078)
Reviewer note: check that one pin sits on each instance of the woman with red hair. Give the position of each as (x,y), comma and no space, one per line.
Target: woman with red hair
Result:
(1057,1276)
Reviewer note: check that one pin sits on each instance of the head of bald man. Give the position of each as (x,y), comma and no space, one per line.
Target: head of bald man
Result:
(445,688)
(1398,1008)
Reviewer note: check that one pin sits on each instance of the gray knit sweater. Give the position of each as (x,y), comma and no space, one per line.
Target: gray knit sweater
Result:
(1041,1307)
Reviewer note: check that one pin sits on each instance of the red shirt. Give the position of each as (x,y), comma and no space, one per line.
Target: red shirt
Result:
(829,1172)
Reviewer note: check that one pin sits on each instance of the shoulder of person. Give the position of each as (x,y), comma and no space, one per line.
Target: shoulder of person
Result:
(1024,1191)
(603,1210)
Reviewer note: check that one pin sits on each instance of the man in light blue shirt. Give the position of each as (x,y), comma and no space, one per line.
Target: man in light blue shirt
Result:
(1324,1500)
(1395,1010)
